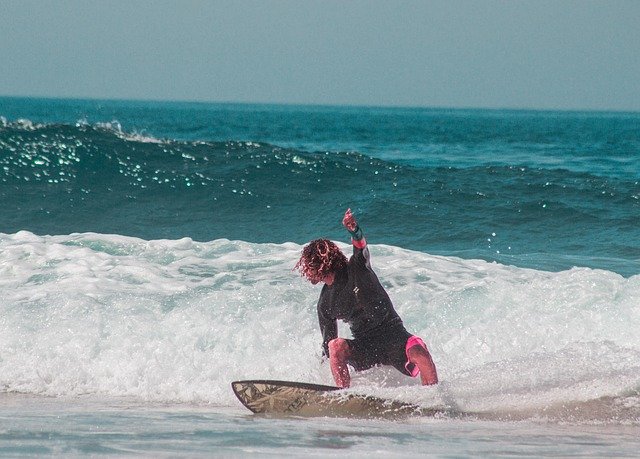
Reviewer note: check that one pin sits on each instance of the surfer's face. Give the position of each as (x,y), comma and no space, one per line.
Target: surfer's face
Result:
(316,278)
(329,278)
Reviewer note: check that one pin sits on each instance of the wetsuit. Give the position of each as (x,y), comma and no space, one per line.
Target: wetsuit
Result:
(357,297)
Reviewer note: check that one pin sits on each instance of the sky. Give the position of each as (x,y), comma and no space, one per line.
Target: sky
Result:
(538,54)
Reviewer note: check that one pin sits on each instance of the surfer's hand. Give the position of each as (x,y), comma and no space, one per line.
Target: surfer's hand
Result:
(349,221)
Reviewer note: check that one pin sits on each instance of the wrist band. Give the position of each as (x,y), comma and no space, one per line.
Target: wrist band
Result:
(356,234)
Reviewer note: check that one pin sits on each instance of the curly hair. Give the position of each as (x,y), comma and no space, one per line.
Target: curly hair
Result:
(319,258)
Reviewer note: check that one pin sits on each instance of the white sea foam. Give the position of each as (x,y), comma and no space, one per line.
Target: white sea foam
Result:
(115,127)
(178,320)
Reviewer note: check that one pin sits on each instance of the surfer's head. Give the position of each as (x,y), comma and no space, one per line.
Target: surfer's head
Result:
(320,260)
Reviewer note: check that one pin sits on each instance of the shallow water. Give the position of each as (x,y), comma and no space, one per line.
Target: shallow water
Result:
(85,426)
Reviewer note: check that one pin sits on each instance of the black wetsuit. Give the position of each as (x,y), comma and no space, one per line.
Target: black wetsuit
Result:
(357,297)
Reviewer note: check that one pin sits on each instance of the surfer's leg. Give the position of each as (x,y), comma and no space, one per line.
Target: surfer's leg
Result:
(339,353)
(419,355)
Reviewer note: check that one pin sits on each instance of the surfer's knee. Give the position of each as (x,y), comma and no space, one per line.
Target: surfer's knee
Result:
(339,348)
(417,352)
(421,357)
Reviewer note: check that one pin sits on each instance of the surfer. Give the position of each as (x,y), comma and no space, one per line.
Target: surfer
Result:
(353,293)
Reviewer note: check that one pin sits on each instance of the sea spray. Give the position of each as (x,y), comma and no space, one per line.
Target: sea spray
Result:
(177,320)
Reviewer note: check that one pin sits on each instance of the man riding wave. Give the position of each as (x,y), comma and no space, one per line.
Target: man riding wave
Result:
(352,293)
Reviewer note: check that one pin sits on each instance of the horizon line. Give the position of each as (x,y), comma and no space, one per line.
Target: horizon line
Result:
(323,105)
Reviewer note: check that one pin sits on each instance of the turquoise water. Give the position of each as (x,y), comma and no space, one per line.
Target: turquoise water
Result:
(146,255)
(548,190)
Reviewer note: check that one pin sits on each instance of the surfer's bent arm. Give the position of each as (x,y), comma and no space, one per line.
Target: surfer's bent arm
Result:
(328,328)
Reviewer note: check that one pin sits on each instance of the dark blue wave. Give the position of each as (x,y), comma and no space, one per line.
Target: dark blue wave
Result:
(65,178)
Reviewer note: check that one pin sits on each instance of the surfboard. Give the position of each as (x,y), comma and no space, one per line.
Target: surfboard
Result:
(304,399)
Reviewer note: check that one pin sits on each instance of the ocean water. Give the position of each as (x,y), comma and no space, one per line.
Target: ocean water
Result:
(146,255)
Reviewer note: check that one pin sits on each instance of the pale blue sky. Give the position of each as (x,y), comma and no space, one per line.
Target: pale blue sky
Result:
(544,54)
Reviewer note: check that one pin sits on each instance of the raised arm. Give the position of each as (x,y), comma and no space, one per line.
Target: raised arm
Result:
(350,223)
